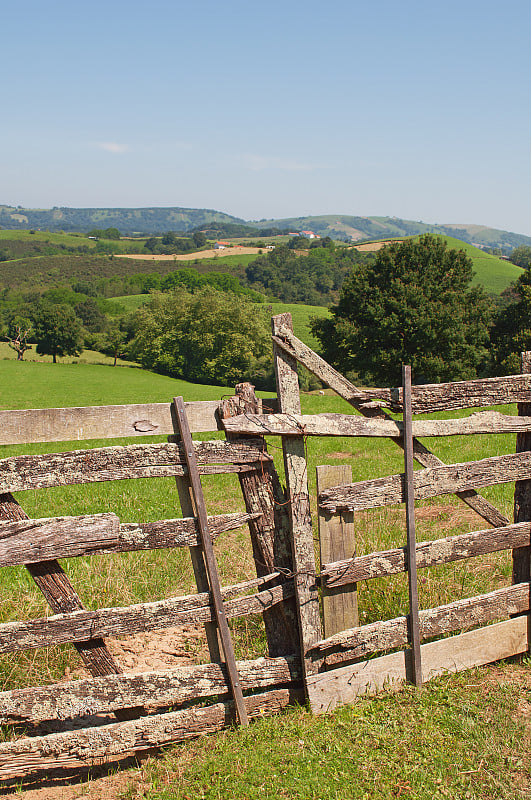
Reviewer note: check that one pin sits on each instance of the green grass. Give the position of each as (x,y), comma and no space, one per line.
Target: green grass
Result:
(464,737)
(492,272)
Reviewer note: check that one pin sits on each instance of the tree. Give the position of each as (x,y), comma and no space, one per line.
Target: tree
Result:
(511,332)
(18,332)
(199,238)
(411,304)
(208,337)
(521,256)
(57,330)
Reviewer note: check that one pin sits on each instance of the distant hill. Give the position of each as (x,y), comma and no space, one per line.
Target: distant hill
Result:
(127,220)
(366,228)
(159,220)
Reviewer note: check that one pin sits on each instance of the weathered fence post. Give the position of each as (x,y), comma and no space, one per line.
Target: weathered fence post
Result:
(270,532)
(337,541)
(522,491)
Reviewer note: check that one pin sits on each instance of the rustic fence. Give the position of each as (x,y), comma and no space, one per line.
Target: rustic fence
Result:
(328,666)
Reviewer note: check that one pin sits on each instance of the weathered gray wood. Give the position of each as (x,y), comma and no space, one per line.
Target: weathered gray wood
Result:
(101,422)
(20,473)
(141,617)
(337,540)
(295,466)
(350,425)
(432,482)
(433,397)
(522,491)
(156,689)
(210,560)
(467,650)
(270,528)
(411,547)
(109,743)
(429,554)
(33,540)
(289,343)
(386,634)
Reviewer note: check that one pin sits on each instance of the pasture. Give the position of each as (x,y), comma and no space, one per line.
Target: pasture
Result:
(461,737)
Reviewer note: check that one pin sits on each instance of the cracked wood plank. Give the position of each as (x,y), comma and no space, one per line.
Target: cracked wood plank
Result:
(429,554)
(154,689)
(33,540)
(141,617)
(85,748)
(387,634)
(20,473)
(432,482)
(349,425)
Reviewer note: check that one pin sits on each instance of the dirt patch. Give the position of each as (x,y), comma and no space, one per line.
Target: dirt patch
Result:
(372,247)
(228,251)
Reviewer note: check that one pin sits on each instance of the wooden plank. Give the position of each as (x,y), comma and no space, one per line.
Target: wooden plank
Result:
(350,425)
(522,492)
(20,473)
(270,528)
(295,466)
(429,554)
(411,547)
(289,343)
(154,689)
(433,397)
(141,617)
(387,634)
(101,422)
(87,747)
(33,540)
(465,651)
(337,540)
(433,482)
(210,560)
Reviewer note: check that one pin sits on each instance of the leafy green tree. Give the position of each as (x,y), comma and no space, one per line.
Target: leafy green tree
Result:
(208,337)
(521,256)
(58,331)
(91,315)
(411,304)
(199,239)
(511,332)
(113,343)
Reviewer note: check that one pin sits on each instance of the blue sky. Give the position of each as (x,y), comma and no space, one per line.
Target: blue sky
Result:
(415,109)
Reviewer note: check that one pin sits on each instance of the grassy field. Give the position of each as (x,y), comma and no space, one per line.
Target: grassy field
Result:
(492,272)
(461,737)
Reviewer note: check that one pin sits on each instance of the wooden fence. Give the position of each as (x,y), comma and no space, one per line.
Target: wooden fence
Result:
(330,665)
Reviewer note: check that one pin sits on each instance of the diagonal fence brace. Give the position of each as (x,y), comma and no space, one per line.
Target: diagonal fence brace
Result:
(210,560)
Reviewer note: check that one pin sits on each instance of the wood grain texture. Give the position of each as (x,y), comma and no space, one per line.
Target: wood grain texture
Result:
(288,342)
(337,541)
(522,492)
(387,634)
(295,467)
(433,397)
(155,689)
(472,649)
(91,746)
(429,554)
(20,473)
(350,425)
(141,617)
(431,482)
(101,422)
(32,540)
(269,529)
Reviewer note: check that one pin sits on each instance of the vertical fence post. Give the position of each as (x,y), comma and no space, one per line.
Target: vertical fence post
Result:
(337,541)
(522,492)
(414,626)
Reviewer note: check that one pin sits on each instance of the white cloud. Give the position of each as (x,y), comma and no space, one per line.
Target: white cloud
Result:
(259,163)
(113,147)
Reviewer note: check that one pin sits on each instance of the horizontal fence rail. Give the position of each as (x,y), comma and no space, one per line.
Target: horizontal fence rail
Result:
(33,540)
(19,473)
(429,554)
(156,689)
(102,422)
(140,617)
(349,425)
(387,634)
(430,482)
